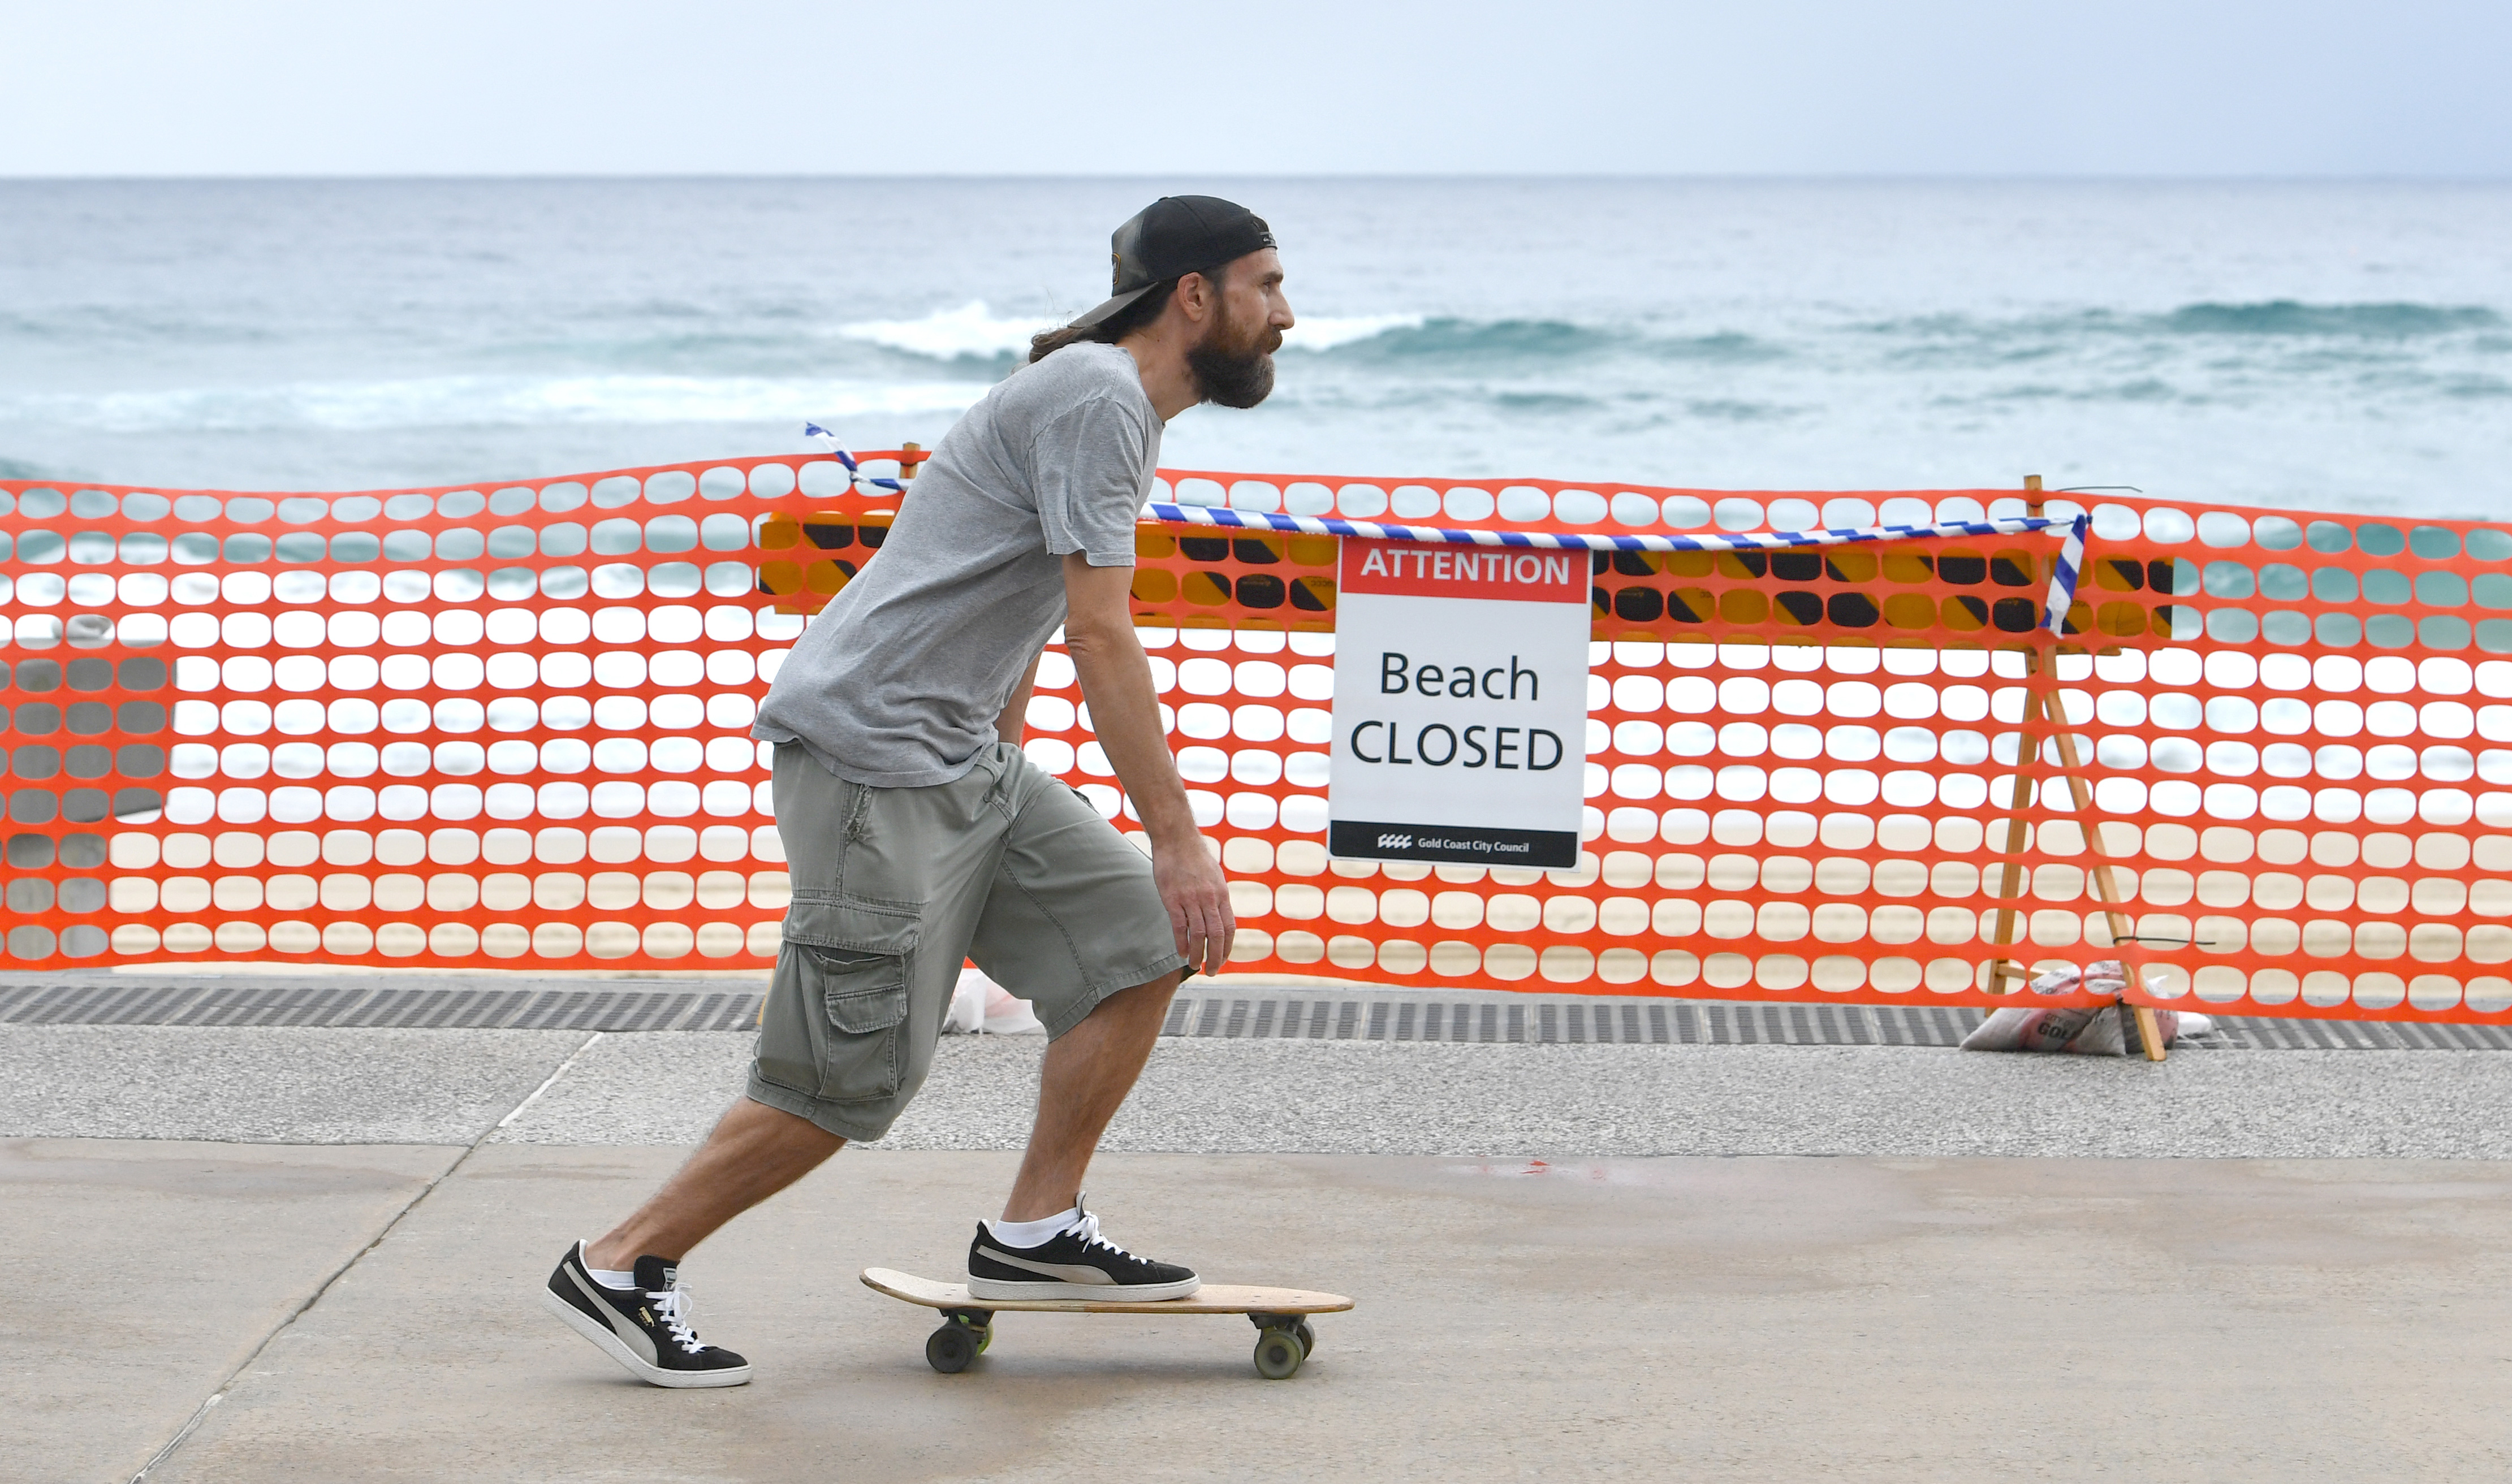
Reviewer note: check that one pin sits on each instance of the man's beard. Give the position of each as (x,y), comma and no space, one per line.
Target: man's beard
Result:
(1235,369)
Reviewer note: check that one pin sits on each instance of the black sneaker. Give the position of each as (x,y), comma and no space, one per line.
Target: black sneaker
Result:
(644,1328)
(1077,1263)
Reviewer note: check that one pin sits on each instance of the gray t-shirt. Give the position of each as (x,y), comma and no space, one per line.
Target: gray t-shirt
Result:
(899,681)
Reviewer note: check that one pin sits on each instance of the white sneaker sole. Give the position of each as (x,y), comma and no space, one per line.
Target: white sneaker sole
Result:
(1123,1293)
(618,1350)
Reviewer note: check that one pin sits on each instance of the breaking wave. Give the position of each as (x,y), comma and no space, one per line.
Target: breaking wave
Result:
(971,332)
(1501,345)
(2288,319)
(1527,365)
(2292,317)
(975,333)
(1327,333)
(1480,340)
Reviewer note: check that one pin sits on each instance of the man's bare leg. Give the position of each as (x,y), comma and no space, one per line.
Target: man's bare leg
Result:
(1087,1072)
(754,1151)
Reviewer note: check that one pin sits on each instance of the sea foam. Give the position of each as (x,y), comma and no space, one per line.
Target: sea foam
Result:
(972,331)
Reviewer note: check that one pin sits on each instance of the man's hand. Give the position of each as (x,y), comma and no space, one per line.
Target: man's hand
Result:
(1197,897)
(1125,713)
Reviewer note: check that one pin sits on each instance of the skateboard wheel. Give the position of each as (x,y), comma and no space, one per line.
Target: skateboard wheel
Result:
(1278,1353)
(1307,1338)
(950,1349)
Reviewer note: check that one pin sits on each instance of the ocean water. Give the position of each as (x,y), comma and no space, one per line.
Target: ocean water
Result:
(2306,346)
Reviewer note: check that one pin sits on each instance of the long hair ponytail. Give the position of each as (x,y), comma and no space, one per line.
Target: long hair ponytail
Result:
(1108,332)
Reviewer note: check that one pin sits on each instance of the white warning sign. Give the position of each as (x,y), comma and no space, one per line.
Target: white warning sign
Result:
(1461,704)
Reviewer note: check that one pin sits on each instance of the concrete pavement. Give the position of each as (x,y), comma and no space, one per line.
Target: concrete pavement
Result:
(1562,1266)
(1701,1318)
(142,1273)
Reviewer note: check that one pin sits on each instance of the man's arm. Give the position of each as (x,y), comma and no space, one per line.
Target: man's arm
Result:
(1125,713)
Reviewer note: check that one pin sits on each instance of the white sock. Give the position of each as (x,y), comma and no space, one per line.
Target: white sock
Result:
(1029,1233)
(611,1277)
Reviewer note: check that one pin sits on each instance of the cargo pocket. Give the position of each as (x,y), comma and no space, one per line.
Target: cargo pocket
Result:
(840,1001)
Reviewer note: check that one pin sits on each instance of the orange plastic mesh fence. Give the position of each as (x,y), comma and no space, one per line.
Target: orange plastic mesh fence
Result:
(1803,765)
(478,727)
(509,728)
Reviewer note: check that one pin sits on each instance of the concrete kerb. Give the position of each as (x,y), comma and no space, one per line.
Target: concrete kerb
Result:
(341,1085)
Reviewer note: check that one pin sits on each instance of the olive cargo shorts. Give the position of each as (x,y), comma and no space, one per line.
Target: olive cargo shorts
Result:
(894,887)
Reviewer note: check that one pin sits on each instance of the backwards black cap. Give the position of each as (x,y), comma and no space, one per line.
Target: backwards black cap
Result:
(1173,237)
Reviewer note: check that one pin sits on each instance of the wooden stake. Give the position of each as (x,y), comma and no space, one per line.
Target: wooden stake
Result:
(2105,885)
(2006,922)
(2148,1031)
(2042,707)
(2081,794)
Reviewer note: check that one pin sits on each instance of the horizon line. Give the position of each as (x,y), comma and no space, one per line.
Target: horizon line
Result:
(1788,177)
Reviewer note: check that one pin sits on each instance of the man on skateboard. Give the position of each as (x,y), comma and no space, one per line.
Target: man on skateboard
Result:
(920,834)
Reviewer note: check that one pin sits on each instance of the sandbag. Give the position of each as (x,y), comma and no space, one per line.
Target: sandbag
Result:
(2078,1031)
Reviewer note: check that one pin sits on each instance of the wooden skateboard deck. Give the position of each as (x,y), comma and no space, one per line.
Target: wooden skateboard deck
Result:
(1210,1299)
(1283,1337)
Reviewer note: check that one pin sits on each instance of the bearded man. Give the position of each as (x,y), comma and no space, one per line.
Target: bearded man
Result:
(918,833)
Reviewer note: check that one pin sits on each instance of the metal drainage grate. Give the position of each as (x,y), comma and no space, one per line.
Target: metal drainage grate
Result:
(1381,1018)
(2261,1032)
(291,1002)
(700,1006)
(1727,1024)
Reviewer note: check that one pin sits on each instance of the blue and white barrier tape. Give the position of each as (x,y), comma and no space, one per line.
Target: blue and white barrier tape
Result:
(2062,575)
(846,457)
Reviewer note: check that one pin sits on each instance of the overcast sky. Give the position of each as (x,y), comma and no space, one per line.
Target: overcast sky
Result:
(1030,87)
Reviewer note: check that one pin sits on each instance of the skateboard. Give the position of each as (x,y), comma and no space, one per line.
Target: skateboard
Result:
(1284,1338)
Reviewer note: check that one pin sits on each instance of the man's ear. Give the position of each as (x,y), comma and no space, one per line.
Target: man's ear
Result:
(1196,295)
